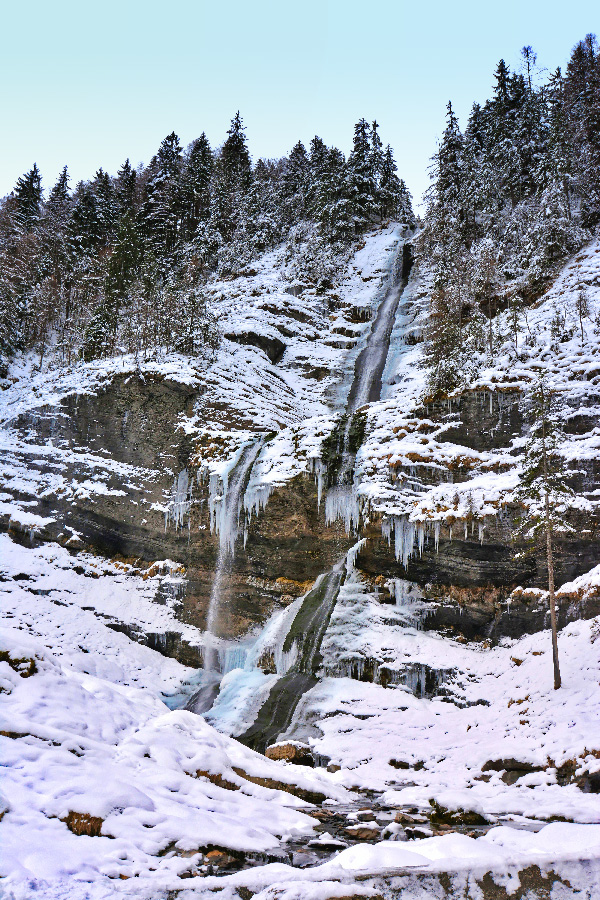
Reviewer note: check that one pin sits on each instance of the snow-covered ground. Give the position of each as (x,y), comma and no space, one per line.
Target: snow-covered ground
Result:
(84,730)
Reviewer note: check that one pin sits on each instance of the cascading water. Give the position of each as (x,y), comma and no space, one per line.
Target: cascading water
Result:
(302,643)
(305,635)
(225,509)
(297,655)
(342,500)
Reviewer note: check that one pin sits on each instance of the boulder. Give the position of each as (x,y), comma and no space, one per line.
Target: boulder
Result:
(291,751)
(363,832)
(219,859)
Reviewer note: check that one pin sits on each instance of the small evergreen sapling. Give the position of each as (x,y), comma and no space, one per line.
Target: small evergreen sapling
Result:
(543,493)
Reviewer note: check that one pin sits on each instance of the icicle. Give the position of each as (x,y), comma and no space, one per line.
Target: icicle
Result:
(387,528)
(341,502)
(180,501)
(318,469)
(233,657)
(481,527)
(436,535)
(284,660)
(405,533)
(353,553)
(256,498)
(421,537)
(225,511)
(450,532)
(466,529)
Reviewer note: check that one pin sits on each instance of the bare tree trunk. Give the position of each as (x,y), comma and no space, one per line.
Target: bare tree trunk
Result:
(551,598)
(550,558)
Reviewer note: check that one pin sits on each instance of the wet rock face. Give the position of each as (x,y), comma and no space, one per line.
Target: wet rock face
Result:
(480,420)
(271,345)
(467,582)
(133,422)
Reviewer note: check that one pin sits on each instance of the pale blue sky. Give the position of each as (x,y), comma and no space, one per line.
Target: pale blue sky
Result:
(88,83)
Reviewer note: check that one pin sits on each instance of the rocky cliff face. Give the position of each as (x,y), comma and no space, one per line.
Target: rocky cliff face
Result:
(105,464)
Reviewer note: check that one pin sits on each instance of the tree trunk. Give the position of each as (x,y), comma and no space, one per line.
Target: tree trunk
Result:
(549,554)
(551,598)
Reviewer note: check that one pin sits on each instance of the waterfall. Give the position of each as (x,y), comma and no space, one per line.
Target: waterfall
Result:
(225,509)
(342,498)
(301,655)
(292,640)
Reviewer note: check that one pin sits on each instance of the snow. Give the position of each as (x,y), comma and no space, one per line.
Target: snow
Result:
(95,734)
(89,733)
(494,709)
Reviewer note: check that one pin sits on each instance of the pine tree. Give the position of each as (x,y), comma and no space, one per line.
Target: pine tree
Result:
(484,277)
(333,208)
(377,161)
(162,207)
(261,215)
(125,188)
(560,148)
(55,250)
(446,213)
(235,158)
(295,184)
(84,230)
(223,210)
(389,185)
(59,195)
(28,197)
(106,202)
(361,186)
(501,89)
(317,162)
(404,209)
(196,185)
(582,107)
(544,494)
(529,57)
(125,261)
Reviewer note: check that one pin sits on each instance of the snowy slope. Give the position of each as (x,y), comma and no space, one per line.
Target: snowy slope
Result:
(84,731)
(398,440)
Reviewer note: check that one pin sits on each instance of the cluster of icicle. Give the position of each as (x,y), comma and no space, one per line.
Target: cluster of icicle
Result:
(227,501)
(410,535)
(317,467)
(224,521)
(180,501)
(342,503)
